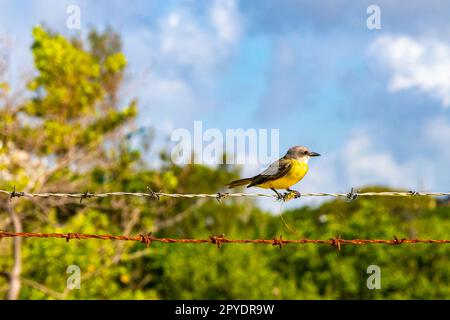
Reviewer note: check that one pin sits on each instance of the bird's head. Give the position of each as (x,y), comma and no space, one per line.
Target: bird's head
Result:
(300,153)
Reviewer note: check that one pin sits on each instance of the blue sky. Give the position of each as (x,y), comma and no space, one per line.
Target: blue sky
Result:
(375,103)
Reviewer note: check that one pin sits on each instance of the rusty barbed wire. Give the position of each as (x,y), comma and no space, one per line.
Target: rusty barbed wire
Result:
(147,239)
(219,196)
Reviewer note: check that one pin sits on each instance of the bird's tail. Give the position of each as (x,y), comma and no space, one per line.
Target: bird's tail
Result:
(237,183)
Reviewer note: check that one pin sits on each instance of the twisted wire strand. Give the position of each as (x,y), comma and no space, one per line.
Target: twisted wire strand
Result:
(219,240)
(158,195)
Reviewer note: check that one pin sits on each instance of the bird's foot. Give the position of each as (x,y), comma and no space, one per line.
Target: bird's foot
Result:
(282,196)
(295,193)
(286,196)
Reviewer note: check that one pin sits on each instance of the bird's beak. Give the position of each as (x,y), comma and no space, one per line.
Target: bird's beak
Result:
(314,154)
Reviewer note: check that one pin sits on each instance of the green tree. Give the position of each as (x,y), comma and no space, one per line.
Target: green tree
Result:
(67,127)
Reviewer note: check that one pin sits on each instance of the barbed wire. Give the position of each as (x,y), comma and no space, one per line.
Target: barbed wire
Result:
(147,239)
(352,195)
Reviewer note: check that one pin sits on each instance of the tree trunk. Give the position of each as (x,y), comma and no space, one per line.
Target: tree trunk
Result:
(14,280)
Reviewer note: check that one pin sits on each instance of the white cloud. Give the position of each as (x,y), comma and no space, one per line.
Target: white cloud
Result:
(423,64)
(169,93)
(199,42)
(183,51)
(364,164)
(226,19)
(183,41)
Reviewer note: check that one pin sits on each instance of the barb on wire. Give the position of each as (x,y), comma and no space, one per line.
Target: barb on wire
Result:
(278,242)
(219,240)
(146,239)
(336,242)
(16,194)
(220,196)
(152,194)
(352,195)
(71,235)
(86,195)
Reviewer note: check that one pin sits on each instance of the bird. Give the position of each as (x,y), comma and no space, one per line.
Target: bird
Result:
(281,174)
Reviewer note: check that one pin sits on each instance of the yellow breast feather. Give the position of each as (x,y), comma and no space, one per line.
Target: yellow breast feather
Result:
(296,173)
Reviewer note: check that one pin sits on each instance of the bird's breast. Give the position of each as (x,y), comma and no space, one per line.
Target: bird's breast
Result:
(298,170)
(296,173)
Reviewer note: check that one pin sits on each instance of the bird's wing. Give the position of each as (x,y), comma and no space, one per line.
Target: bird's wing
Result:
(276,170)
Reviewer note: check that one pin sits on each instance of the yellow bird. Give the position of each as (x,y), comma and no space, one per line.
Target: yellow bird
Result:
(282,174)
